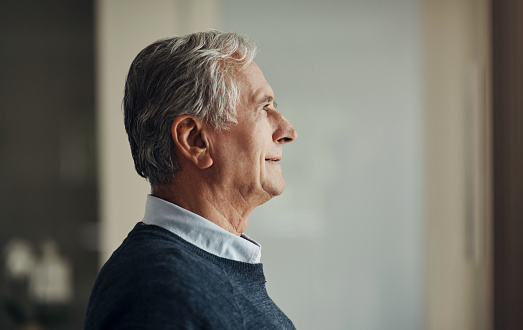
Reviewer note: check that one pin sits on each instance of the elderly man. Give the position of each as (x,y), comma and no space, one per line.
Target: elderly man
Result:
(204,131)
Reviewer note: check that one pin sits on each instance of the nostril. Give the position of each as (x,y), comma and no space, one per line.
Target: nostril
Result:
(284,133)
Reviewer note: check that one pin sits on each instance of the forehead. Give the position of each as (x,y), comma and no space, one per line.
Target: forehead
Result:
(252,85)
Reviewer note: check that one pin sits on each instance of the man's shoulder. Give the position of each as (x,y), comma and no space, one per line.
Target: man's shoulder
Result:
(150,250)
(156,275)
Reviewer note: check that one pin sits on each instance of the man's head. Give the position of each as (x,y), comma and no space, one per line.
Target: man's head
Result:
(193,75)
(200,105)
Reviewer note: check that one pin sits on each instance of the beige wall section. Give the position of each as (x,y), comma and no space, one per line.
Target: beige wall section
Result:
(124,27)
(458,259)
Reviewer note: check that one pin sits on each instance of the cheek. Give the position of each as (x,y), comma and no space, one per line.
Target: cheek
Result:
(251,143)
(246,147)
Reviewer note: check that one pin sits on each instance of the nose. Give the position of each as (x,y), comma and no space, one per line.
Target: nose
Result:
(284,133)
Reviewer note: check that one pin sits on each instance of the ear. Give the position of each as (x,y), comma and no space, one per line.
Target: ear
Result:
(190,138)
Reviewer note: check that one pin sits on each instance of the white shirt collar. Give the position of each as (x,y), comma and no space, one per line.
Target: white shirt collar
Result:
(201,232)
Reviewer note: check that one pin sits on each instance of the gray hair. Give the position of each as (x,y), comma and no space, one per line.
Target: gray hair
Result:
(191,74)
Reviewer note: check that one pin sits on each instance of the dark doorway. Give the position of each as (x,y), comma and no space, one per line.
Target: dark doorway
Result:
(48,190)
(507,57)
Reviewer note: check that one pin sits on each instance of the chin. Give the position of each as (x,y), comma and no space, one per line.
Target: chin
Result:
(275,188)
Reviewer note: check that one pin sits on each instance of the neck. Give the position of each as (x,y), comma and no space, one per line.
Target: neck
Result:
(226,209)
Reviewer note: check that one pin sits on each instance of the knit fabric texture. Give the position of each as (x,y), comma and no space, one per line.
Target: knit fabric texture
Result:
(157,280)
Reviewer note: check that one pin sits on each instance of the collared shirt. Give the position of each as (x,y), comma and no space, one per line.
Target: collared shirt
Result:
(201,232)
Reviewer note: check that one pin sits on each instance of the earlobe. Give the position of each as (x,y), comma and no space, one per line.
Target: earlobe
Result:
(204,160)
(190,139)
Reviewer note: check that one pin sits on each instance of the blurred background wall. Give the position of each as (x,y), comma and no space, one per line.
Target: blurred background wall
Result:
(457,173)
(386,219)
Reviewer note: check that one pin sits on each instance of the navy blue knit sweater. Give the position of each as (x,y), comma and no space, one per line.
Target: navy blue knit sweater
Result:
(156,280)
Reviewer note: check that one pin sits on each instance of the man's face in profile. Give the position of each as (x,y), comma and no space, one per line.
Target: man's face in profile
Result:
(247,155)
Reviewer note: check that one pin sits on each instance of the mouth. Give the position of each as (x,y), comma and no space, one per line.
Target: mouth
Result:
(272,159)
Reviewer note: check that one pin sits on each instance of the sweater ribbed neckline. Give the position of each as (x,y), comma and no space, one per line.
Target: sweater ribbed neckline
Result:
(243,269)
